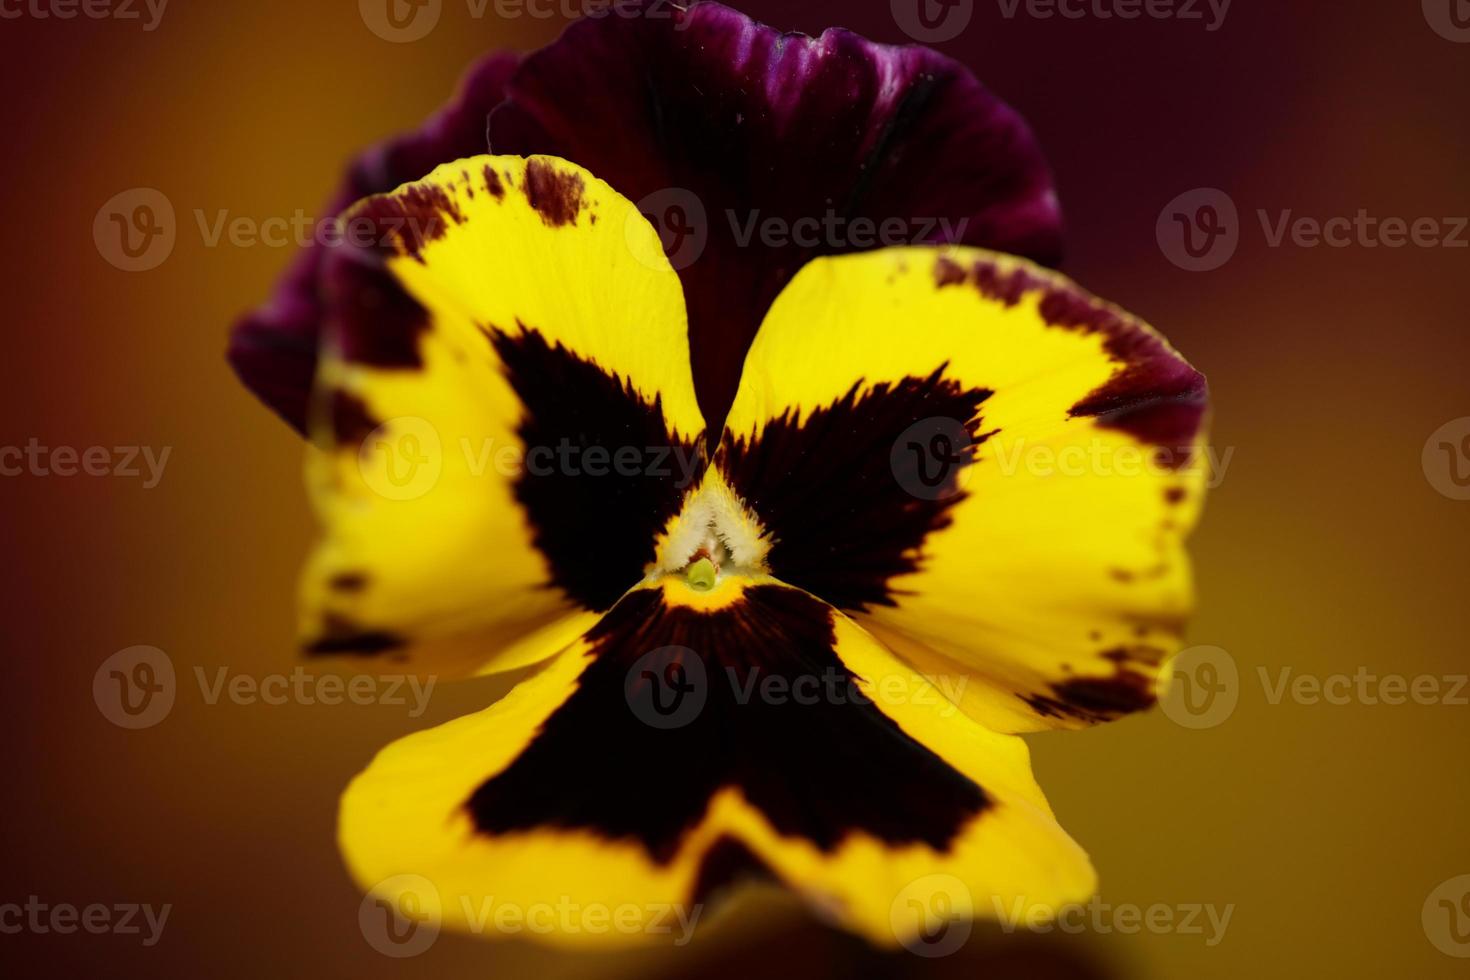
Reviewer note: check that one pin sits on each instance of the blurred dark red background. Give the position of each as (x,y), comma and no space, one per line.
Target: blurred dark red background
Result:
(1325,548)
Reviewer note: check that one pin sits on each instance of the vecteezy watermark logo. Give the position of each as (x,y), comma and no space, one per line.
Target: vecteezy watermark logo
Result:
(932,21)
(1180,10)
(135,230)
(1450,19)
(838,232)
(484,913)
(402,459)
(684,229)
(128,462)
(1204,688)
(401,916)
(400,21)
(679,217)
(667,688)
(91,9)
(577,459)
(329,690)
(1446,917)
(63,918)
(1107,458)
(1362,230)
(1208,921)
(576,9)
(930,459)
(1199,230)
(753,685)
(931,917)
(1364,687)
(1446,459)
(135,688)
(301,230)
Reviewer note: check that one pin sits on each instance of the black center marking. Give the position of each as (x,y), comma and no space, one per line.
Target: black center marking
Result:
(825,489)
(597,525)
(817,769)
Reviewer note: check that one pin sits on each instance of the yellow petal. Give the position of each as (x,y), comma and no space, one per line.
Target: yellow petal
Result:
(788,745)
(991,470)
(505,417)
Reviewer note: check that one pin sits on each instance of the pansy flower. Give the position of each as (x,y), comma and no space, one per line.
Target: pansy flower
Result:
(790,628)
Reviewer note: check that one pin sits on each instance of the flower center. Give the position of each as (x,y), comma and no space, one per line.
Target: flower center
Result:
(713,537)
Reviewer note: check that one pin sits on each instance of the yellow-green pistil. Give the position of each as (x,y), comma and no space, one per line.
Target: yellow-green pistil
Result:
(701,575)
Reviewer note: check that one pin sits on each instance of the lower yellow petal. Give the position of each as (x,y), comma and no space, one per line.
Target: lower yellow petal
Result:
(597,786)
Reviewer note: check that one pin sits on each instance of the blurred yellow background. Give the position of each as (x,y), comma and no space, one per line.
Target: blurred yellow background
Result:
(1325,548)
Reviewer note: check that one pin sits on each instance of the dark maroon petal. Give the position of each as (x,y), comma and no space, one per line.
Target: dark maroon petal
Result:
(754,124)
(274,348)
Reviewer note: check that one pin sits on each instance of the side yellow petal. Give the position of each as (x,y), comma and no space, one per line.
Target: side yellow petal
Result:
(505,417)
(991,470)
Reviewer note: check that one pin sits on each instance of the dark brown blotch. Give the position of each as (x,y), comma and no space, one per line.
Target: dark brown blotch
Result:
(1155,396)
(341,635)
(1095,699)
(349,582)
(948,272)
(988,279)
(376,321)
(493,183)
(1138,653)
(350,418)
(411,218)
(554,194)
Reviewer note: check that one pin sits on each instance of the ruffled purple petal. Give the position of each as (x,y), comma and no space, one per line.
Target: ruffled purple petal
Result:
(273,349)
(706,111)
